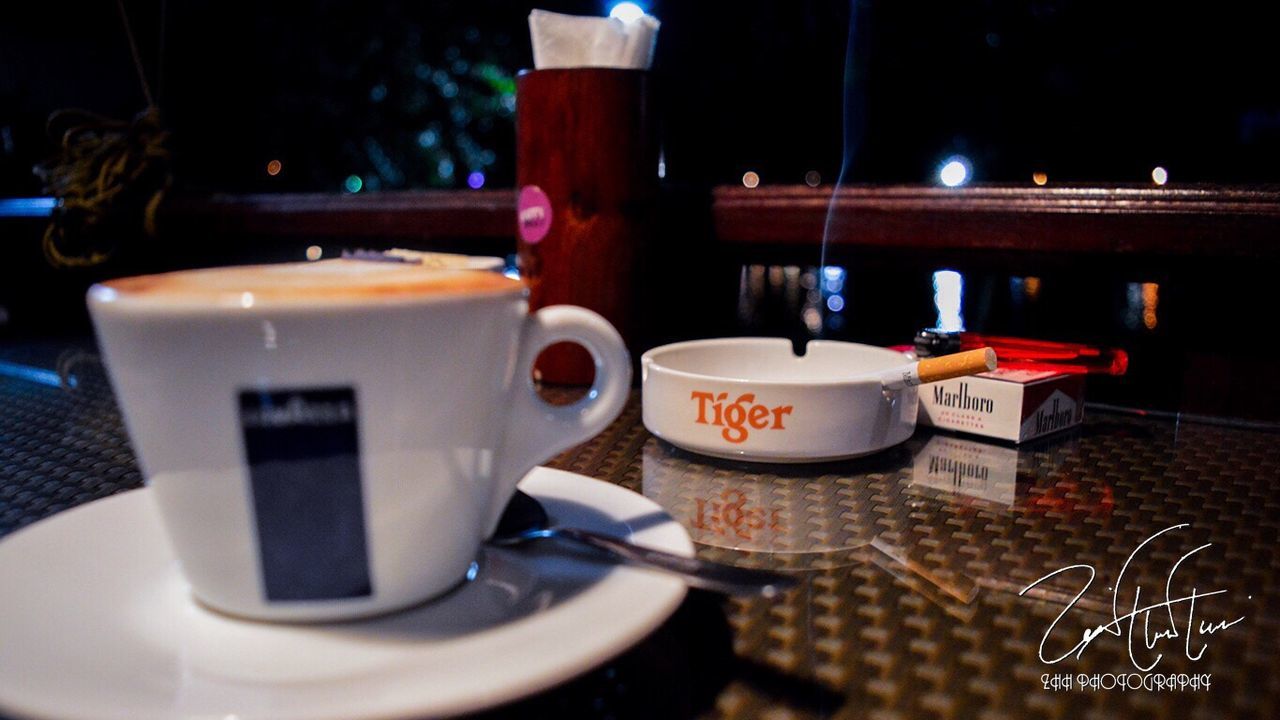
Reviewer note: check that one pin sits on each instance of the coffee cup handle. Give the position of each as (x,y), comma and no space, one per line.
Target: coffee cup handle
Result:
(537,430)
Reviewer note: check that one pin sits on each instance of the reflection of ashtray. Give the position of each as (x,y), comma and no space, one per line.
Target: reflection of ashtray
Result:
(754,399)
(800,516)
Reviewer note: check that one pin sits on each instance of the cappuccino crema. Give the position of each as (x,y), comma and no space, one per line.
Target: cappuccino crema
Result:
(320,282)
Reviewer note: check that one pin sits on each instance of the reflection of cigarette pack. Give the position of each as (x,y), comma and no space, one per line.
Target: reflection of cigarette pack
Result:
(1015,405)
(968,467)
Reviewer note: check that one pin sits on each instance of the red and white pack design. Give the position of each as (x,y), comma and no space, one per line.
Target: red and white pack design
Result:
(1015,405)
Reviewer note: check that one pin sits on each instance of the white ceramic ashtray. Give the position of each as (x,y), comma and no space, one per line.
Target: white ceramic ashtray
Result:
(755,399)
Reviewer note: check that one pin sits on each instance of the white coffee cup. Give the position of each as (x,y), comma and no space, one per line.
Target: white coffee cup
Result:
(335,439)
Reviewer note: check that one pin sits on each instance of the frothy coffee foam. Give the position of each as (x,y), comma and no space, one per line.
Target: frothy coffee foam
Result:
(324,280)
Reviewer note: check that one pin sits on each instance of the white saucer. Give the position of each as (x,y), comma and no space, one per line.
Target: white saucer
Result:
(96,622)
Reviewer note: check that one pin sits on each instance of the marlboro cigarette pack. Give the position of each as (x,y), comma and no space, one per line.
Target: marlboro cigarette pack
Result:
(1014,405)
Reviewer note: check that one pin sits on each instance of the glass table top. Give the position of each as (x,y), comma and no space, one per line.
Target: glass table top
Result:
(1125,568)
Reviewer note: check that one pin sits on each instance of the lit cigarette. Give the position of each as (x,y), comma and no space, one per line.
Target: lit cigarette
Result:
(946,367)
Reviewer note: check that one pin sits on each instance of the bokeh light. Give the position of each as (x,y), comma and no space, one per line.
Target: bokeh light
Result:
(813,178)
(353,183)
(274,167)
(751,179)
(1159,175)
(955,171)
(627,12)
(948,298)
(1150,302)
(1032,287)
(475,180)
(1039,178)
(812,319)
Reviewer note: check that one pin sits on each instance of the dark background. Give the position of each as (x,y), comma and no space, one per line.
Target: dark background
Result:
(420,95)
(406,95)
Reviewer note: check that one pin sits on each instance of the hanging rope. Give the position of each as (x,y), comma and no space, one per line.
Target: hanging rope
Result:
(109,176)
(137,57)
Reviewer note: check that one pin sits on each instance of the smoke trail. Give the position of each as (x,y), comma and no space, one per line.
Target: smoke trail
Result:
(848,139)
(851,126)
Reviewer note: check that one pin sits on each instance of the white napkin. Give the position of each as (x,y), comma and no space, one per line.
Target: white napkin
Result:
(568,41)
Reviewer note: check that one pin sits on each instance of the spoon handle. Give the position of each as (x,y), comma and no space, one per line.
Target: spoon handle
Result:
(704,574)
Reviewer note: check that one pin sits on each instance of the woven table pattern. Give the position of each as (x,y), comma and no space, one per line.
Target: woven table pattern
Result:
(60,446)
(910,604)
(911,561)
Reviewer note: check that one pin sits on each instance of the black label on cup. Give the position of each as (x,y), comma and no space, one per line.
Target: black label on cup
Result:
(304,466)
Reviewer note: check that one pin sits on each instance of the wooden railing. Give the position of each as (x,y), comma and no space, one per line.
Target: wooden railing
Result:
(407,216)
(1152,221)
(1184,222)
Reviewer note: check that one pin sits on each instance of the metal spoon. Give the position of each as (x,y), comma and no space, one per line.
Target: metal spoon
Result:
(525,520)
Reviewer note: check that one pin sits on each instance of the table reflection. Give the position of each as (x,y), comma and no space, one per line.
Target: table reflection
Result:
(875,511)
(913,562)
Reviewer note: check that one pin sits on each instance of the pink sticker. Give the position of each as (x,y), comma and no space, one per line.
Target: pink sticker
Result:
(533,214)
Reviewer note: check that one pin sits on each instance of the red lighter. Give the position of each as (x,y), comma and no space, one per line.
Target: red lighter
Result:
(1024,354)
